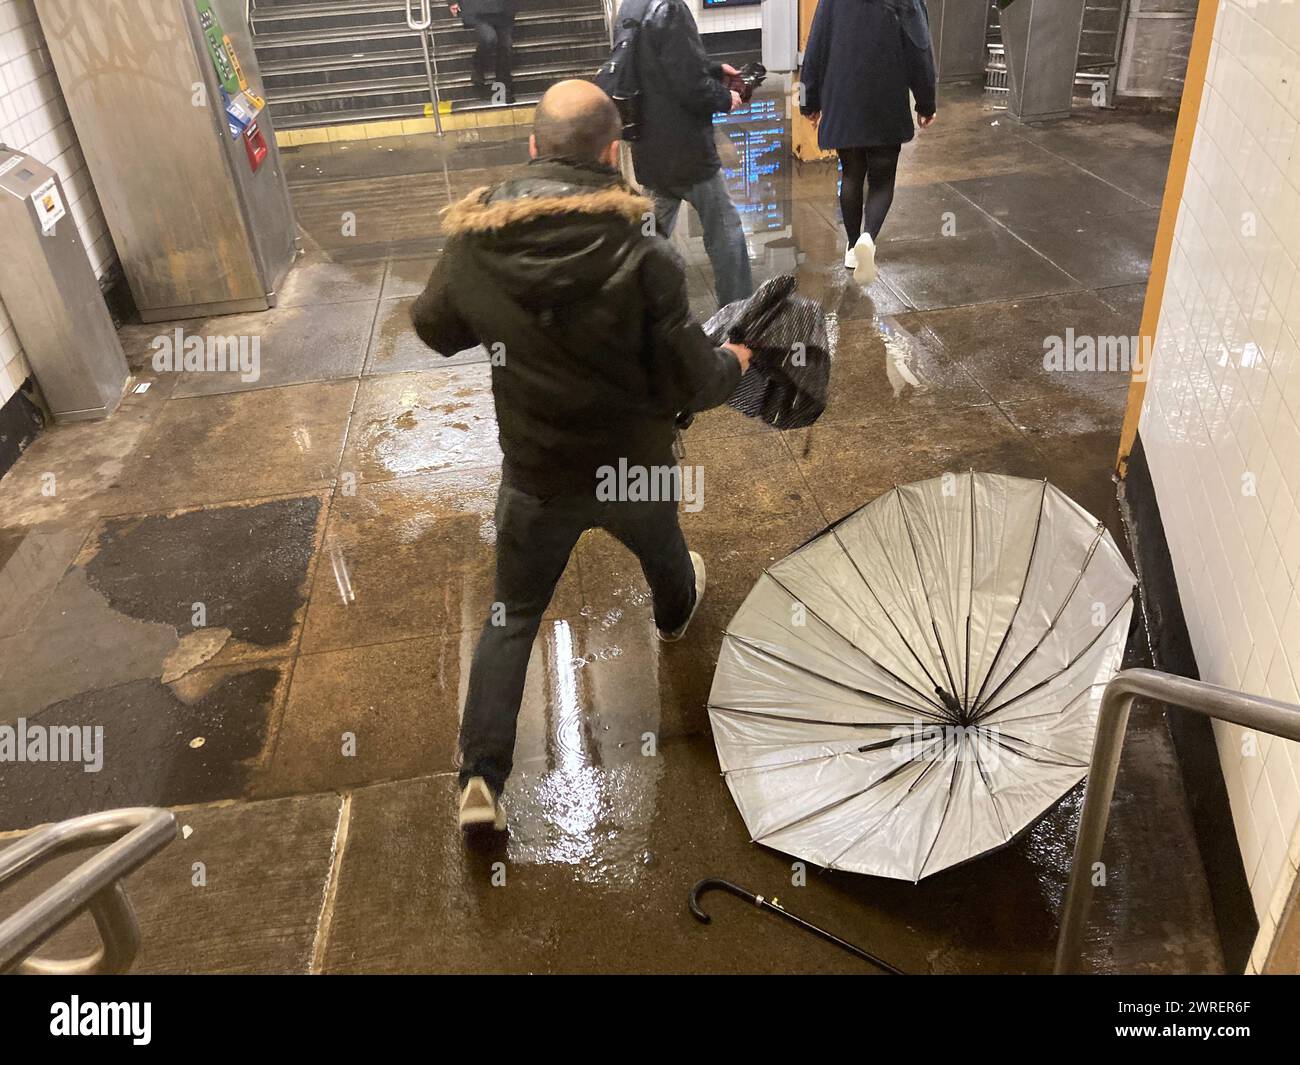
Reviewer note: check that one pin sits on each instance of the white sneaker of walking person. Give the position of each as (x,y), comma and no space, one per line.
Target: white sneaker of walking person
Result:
(680,631)
(479,808)
(863,254)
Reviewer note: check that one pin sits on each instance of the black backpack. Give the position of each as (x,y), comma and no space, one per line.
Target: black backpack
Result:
(620,75)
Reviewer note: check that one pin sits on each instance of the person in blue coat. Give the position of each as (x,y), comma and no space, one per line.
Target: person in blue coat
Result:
(862,59)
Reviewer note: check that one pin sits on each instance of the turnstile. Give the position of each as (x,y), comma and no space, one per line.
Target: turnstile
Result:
(52,296)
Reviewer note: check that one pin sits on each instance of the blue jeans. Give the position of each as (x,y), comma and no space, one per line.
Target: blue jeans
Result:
(724,237)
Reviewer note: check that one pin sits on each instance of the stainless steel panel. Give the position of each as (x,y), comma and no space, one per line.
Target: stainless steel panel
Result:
(147,108)
(1157,40)
(1042,47)
(959,29)
(54,300)
(265,194)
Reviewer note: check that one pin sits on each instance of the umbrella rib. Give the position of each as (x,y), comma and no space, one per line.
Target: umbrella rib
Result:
(888,558)
(830,680)
(995,738)
(840,802)
(952,781)
(970,597)
(929,766)
(916,558)
(835,632)
(1029,565)
(884,669)
(769,716)
(815,758)
(1051,625)
(1005,722)
(993,799)
(1101,631)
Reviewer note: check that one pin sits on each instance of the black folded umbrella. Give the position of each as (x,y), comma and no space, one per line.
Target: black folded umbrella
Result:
(789,377)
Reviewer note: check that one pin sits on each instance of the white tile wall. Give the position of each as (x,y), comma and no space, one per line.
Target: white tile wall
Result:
(1221,419)
(33,118)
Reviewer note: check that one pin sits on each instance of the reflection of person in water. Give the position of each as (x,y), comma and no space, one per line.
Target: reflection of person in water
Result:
(862,58)
(493,22)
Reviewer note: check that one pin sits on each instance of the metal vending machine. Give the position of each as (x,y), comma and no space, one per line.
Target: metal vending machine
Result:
(165,98)
(52,296)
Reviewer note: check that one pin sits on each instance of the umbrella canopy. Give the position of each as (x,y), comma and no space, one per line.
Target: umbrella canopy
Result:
(788,381)
(921,681)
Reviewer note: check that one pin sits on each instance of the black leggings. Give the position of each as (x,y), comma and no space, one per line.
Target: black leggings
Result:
(874,167)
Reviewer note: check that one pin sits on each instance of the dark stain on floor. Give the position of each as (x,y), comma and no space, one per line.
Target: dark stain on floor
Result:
(246,564)
(192,741)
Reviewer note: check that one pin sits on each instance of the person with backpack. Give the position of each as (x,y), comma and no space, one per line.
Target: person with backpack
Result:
(599,354)
(862,59)
(674,156)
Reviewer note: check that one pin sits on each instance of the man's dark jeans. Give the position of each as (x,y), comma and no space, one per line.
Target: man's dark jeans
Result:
(534,540)
(495,41)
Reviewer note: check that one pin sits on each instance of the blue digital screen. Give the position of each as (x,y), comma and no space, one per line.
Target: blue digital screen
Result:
(757,177)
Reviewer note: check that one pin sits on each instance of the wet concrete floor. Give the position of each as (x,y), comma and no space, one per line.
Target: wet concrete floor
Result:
(266,592)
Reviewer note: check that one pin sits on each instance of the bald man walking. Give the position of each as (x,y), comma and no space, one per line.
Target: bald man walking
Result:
(595,354)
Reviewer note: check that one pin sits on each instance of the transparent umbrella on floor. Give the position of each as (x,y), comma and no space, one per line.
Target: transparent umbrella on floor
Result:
(920,682)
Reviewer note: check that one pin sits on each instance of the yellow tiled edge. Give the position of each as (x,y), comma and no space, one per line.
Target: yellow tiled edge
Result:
(397,127)
(1188,112)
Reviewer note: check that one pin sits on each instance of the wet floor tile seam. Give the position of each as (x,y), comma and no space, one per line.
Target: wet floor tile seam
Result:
(177,809)
(100,516)
(38,606)
(1091,173)
(803,477)
(329,896)
(449,471)
(309,583)
(1011,232)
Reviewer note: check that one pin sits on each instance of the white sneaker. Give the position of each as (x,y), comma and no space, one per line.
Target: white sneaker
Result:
(864,260)
(850,259)
(479,807)
(680,631)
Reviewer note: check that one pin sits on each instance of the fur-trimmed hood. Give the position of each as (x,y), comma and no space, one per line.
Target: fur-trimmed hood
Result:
(482,211)
(552,234)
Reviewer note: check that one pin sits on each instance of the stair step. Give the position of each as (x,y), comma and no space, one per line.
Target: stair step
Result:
(308,63)
(272,48)
(332,61)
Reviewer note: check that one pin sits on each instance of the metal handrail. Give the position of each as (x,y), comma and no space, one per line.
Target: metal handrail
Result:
(426,15)
(429,47)
(1250,711)
(133,836)
(609,9)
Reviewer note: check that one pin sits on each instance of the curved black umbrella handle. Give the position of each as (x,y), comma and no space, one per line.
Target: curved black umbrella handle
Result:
(710,883)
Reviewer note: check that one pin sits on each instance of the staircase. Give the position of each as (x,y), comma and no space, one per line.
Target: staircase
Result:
(1099,45)
(325,62)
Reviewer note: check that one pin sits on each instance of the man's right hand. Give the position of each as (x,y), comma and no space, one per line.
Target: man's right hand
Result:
(742,353)
(735,100)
